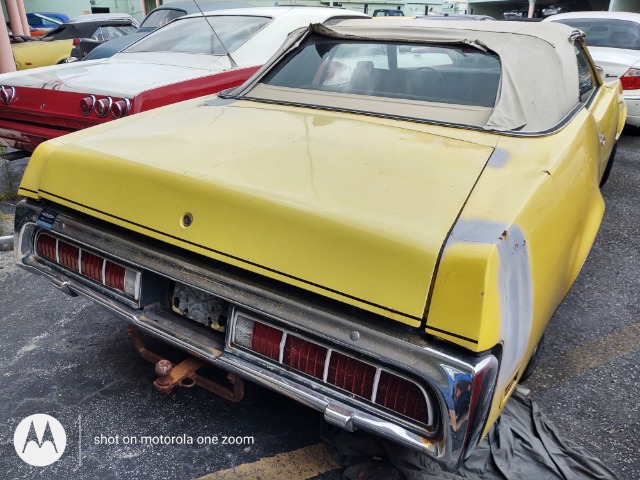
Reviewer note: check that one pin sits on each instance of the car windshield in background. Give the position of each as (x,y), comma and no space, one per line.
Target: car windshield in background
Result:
(443,74)
(196,35)
(108,32)
(606,32)
(158,18)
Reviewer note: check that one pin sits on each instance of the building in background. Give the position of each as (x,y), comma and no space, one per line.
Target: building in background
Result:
(496,8)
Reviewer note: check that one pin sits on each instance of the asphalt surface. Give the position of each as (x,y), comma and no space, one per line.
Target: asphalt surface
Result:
(70,359)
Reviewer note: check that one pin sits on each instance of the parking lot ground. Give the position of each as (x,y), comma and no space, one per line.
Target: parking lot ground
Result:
(68,358)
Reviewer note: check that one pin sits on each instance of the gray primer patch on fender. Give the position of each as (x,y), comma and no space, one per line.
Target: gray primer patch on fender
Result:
(516,301)
(498,158)
(515,287)
(476,231)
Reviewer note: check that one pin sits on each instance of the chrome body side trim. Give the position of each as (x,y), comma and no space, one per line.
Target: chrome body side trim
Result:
(446,371)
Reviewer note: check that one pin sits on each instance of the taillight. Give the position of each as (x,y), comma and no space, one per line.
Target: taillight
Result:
(402,396)
(103,106)
(121,108)
(87,104)
(266,340)
(353,375)
(89,264)
(631,79)
(304,356)
(47,247)
(68,256)
(114,275)
(7,94)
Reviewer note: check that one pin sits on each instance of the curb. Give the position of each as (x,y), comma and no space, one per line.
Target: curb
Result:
(6,243)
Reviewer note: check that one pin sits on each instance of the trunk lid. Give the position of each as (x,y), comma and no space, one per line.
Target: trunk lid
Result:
(144,71)
(614,61)
(355,208)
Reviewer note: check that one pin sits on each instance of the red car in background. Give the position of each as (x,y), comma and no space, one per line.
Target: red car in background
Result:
(192,56)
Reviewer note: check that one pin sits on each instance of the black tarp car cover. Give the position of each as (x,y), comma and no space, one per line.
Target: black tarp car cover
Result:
(522,444)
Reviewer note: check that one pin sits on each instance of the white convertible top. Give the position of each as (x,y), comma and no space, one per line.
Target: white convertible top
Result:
(539,78)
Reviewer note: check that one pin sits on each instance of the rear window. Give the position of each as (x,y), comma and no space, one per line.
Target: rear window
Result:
(606,32)
(107,32)
(158,18)
(196,35)
(451,74)
(63,32)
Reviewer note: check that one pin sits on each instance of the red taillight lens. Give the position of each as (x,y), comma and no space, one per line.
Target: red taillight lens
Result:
(402,396)
(121,108)
(114,275)
(76,42)
(266,340)
(631,79)
(351,375)
(304,356)
(68,256)
(103,107)
(87,104)
(89,264)
(7,94)
(46,246)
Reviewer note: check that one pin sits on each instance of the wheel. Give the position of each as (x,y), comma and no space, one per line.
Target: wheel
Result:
(607,170)
(533,361)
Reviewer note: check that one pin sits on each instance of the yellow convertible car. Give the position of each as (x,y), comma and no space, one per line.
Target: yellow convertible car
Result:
(55,47)
(379,223)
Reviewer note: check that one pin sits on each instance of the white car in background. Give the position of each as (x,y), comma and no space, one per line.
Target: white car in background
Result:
(187,58)
(613,39)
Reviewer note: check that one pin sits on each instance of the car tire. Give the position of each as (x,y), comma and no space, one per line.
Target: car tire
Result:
(609,167)
(533,361)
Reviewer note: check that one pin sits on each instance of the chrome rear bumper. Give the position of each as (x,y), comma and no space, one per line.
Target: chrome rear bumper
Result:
(440,368)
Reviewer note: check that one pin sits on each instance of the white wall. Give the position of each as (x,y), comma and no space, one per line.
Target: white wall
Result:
(74,8)
(625,6)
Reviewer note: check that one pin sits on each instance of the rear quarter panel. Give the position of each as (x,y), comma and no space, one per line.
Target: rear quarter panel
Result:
(40,54)
(518,245)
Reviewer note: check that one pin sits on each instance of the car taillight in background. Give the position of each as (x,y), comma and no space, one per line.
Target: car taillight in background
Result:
(104,106)
(631,79)
(358,377)
(89,264)
(121,108)
(7,94)
(87,104)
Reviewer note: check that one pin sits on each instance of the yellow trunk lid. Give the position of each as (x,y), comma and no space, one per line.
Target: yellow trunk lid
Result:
(355,208)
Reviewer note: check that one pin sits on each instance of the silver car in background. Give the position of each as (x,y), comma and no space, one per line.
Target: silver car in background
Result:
(613,39)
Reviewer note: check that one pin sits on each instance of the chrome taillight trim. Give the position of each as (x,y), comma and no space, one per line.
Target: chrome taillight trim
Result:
(126,109)
(7,94)
(92,98)
(330,350)
(107,109)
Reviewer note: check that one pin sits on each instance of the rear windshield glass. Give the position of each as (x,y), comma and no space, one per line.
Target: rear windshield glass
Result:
(442,73)
(160,17)
(606,32)
(63,32)
(196,35)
